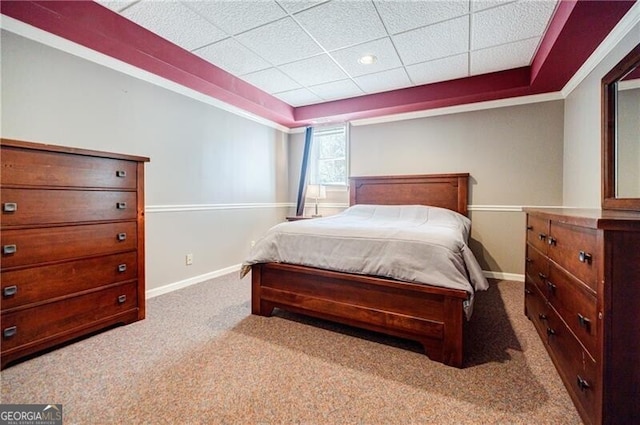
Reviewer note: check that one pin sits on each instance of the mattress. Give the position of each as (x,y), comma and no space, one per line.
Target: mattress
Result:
(411,243)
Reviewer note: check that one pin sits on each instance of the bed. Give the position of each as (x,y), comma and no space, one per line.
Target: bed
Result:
(424,311)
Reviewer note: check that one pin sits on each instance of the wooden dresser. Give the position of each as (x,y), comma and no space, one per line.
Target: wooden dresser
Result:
(72,235)
(582,292)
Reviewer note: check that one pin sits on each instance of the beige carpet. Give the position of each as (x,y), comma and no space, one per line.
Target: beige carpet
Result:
(201,358)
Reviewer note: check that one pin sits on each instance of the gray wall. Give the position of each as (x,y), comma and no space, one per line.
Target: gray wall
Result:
(583,131)
(514,156)
(206,164)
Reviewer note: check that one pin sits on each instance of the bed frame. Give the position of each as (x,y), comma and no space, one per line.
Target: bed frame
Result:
(431,315)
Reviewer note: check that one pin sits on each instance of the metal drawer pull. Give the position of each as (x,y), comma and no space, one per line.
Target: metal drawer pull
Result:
(10,331)
(10,207)
(552,241)
(582,383)
(529,227)
(121,173)
(528,260)
(551,287)
(550,333)
(121,205)
(10,291)
(584,322)
(122,236)
(122,299)
(122,268)
(542,236)
(542,276)
(542,316)
(527,291)
(585,257)
(9,249)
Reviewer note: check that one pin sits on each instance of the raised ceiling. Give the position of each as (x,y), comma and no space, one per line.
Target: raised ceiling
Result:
(307,52)
(295,62)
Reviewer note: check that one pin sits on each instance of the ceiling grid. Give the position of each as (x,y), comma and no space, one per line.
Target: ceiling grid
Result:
(307,52)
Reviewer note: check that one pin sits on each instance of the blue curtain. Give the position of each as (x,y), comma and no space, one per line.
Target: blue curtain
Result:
(302,186)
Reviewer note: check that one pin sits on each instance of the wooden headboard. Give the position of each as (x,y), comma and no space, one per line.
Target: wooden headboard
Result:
(449,191)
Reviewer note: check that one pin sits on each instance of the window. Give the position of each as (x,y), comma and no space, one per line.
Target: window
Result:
(328,159)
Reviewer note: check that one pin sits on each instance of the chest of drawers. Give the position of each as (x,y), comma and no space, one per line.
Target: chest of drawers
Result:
(72,244)
(582,293)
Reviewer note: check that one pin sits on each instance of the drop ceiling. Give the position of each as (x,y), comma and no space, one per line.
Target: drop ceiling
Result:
(295,63)
(307,52)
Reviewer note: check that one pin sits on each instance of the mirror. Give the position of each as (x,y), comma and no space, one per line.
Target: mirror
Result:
(621,135)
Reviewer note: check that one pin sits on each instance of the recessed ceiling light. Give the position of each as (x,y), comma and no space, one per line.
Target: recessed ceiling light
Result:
(367,59)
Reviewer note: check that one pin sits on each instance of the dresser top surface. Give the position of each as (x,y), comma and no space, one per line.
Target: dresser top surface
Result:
(590,217)
(63,149)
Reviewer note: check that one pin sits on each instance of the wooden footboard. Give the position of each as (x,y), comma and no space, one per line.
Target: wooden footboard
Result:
(428,314)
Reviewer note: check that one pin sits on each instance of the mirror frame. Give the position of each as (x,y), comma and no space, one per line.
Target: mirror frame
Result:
(609,111)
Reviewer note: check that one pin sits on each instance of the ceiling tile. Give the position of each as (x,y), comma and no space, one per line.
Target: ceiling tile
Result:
(271,80)
(299,97)
(511,22)
(337,90)
(293,6)
(506,56)
(433,42)
(477,5)
(384,81)
(440,69)
(399,17)
(236,16)
(382,49)
(175,22)
(316,70)
(281,42)
(233,57)
(116,6)
(340,24)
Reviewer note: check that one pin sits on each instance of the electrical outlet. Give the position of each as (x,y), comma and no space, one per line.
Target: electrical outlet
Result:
(189,259)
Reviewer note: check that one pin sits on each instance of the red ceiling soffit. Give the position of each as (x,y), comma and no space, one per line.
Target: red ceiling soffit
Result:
(96,27)
(576,30)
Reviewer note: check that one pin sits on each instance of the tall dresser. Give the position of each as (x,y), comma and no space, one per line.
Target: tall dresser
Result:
(582,293)
(72,235)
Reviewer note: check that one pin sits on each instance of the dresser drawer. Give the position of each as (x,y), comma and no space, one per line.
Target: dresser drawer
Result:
(537,267)
(43,245)
(30,326)
(574,248)
(574,364)
(535,306)
(22,167)
(576,305)
(34,206)
(25,286)
(537,232)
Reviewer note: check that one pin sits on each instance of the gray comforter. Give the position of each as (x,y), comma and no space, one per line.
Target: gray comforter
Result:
(411,243)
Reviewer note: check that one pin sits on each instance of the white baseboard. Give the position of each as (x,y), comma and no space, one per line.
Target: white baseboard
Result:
(217,273)
(503,276)
(191,281)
